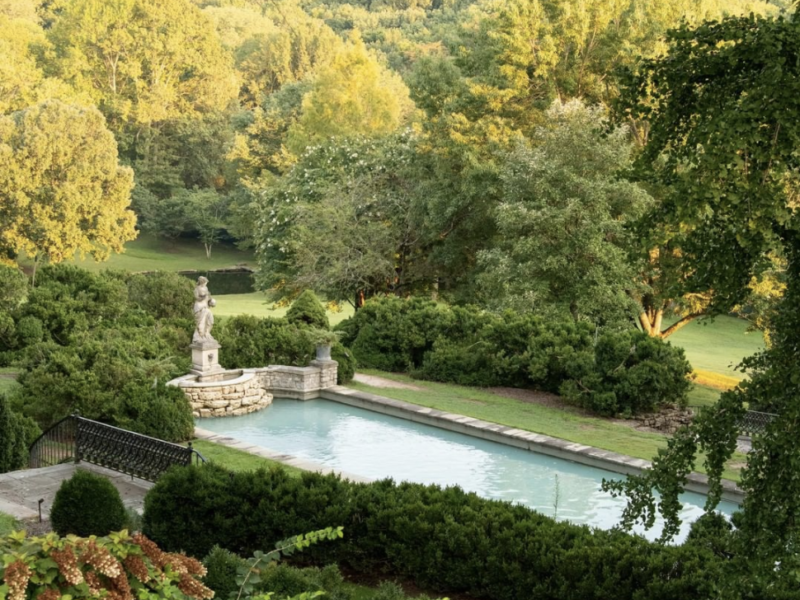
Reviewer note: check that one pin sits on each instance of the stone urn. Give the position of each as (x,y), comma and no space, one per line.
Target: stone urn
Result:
(323,352)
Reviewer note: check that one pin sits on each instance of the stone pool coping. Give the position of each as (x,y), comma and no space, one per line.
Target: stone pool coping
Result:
(511,436)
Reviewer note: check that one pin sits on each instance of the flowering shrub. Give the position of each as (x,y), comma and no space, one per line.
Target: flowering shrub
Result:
(119,566)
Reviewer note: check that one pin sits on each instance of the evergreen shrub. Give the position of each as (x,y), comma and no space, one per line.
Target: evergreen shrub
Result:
(17,433)
(87,504)
(308,310)
(446,540)
(609,372)
(249,342)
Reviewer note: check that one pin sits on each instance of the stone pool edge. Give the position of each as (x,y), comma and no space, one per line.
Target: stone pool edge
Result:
(511,436)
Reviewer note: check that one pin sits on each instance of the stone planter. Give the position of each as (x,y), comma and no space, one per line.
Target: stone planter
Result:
(323,352)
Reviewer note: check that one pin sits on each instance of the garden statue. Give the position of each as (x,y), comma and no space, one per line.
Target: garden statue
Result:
(203,317)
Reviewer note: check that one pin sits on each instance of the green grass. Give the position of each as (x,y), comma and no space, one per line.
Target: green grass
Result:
(7,524)
(148,253)
(718,345)
(701,395)
(257,304)
(565,423)
(236,460)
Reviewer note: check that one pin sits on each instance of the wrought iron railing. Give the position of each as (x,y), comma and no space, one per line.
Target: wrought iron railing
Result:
(77,439)
(752,423)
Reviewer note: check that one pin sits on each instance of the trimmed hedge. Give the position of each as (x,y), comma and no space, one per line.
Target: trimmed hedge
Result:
(250,342)
(442,539)
(87,504)
(608,372)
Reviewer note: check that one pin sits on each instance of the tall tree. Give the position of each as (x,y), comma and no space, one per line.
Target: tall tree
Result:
(145,64)
(62,189)
(352,95)
(724,137)
(562,238)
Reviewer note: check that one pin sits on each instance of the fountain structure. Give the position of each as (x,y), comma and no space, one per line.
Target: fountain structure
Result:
(216,392)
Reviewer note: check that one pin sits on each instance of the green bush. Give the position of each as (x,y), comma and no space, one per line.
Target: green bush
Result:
(222,566)
(392,334)
(611,373)
(13,287)
(249,342)
(308,310)
(17,433)
(347,363)
(87,504)
(631,372)
(442,539)
(162,294)
(159,411)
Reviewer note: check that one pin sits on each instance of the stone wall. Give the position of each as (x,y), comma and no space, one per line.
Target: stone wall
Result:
(232,393)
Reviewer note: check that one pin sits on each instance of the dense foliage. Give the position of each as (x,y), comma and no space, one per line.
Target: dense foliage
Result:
(118,565)
(103,345)
(724,138)
(442,539)
(87,504)
(609,372)
(17,433)
(249,342)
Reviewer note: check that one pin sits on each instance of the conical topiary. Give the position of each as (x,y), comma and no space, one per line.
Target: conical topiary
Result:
(308,310)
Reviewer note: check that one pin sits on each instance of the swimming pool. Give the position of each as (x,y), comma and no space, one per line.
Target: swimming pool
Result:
(373,445)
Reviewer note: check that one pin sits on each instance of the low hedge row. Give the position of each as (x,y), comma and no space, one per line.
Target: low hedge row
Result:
(608,372)
(443,539)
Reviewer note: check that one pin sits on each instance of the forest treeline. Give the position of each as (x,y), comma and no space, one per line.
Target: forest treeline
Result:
(458,147)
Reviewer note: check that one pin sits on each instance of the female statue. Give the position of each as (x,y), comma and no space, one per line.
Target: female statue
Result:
(203,318)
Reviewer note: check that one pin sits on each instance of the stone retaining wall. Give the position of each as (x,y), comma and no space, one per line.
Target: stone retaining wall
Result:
(232,393)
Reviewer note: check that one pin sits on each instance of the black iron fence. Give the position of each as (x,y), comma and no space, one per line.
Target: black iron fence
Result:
(752,423)
(755,422)
(77,439)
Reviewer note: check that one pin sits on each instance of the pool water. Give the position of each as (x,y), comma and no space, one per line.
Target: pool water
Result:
(366,443)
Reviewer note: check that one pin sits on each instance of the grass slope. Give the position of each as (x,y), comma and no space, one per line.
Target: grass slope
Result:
(718,345)
(565,423)
(236,460)
(258,305)
(148,253)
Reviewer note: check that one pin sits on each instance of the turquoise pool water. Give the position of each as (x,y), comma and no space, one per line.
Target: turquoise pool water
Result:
(377,446)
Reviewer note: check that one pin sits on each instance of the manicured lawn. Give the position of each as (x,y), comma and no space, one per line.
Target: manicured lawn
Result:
(236,460)
(702,395)
(7,524)
(719,345)
(563,423)
(148,253)
(258,305)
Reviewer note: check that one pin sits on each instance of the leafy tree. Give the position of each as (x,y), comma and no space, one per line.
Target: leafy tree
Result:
(343,223)
(22,79)
(61,188)
(561,224)
(352,95)
(723,138)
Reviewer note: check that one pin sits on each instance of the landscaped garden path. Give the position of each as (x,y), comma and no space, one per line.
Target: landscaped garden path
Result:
(20,491)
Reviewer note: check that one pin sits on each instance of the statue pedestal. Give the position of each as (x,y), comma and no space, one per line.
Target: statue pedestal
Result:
(205,357)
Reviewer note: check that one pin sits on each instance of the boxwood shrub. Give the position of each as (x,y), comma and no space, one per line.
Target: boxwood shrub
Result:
(609,372)
(445,540)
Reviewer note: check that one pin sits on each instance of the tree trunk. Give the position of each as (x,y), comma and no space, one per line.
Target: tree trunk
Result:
(208,250)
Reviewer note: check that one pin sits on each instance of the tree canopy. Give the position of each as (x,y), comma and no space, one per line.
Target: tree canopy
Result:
(62,189)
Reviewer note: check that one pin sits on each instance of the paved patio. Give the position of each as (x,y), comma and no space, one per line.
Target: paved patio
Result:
(20,491)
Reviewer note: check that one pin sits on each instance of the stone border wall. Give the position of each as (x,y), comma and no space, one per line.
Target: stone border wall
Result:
(239,392)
